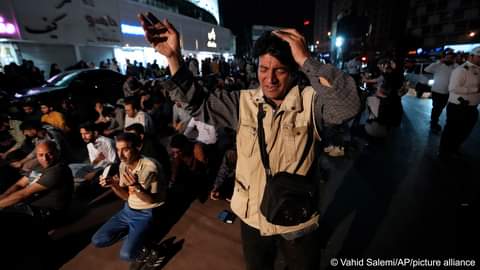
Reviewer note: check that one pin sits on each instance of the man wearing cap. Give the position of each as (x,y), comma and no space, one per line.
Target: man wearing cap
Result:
(462,113)
(441,70)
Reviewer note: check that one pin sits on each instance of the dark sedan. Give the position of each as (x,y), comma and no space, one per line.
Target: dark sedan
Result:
(82,87)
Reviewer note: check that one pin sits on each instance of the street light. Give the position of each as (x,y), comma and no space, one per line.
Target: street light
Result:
(472,34)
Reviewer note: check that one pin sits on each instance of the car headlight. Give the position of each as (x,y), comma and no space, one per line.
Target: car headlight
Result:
(430,82)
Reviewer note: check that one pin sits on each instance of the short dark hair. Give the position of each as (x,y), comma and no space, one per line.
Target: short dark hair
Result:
(139,129)
(30,124)
(132,100)
(132,139)
(268,43)
(181,142)
(89,126)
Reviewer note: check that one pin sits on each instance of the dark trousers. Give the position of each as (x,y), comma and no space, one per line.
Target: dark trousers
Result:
(302,253)
(460,122)
(439,101)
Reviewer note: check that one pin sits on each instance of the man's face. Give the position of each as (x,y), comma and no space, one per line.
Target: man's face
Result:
(30,133)
(475,59)
(28,109)
(130,111)
(175,153)
(45,156)
(87,136)
(274,77)
(126,152)
(449,59)
(45,109)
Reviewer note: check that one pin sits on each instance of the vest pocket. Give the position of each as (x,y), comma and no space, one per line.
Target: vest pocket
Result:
(246,139)
(295,141)
(239,202)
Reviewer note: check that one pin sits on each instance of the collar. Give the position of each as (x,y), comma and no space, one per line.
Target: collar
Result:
(291,102)
(470,64)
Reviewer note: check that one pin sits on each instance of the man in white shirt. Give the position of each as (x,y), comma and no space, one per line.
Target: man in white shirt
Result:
(441,71)
(101,153)
(134,115)
(462,112)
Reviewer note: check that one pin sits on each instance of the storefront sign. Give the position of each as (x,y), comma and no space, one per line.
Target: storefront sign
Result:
(7,28)
(132,29)
(211,39)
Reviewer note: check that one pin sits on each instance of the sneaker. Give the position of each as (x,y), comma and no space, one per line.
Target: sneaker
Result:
(143,255)
(328,149)
(155,259)
(337,151)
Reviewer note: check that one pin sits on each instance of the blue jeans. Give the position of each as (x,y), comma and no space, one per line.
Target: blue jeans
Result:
(131,224)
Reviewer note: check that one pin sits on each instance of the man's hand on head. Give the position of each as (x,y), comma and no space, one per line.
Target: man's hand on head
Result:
(297,43)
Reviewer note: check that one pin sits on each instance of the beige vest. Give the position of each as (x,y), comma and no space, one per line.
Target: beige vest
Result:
(286,133)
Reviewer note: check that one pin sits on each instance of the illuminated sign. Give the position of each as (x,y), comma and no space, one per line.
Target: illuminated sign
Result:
(132,30)
(6,27)
(211,39)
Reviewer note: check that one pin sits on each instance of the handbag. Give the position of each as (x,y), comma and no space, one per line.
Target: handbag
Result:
(289,198)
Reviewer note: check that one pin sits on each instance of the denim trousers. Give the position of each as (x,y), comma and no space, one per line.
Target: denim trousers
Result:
(132,225)
(261,252)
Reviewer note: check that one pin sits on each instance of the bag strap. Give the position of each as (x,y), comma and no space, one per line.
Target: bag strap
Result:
(261,142)
(263,146)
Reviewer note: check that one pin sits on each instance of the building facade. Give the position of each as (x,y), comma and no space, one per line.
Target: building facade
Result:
(94,30)
(436,23)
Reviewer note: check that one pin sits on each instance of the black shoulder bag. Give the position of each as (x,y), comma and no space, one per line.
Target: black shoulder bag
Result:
(289,198)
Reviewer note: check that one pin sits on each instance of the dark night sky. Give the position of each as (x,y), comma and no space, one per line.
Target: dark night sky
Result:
(238,14)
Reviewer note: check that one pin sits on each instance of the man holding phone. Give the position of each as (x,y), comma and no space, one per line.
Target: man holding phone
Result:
(292,115)
(142,185)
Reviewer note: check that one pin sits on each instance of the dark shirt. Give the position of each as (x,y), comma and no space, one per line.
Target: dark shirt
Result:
(58,180)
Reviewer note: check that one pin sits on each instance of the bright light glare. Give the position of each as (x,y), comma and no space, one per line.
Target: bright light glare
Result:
(339,42)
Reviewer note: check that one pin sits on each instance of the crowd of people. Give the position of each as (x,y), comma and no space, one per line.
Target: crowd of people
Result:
(193,131)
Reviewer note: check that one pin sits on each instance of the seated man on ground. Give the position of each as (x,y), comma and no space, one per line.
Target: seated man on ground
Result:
(141,184)
(35,132)
(101,152)
(45,196)
(151,148)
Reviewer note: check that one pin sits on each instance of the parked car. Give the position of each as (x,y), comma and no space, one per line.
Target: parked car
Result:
(417,78)
(82,87)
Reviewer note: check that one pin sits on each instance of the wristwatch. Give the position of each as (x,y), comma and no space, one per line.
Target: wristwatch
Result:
(137,189)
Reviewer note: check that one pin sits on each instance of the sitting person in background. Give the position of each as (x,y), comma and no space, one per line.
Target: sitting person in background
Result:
(142,185)
(225,180)
(46,195)
(134,115)
(188,172)
(31,112)
(11,137)
(35,132)
(101,152)
(117,119)
(52,117)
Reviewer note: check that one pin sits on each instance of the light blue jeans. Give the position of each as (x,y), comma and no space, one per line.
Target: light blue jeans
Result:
(131,224)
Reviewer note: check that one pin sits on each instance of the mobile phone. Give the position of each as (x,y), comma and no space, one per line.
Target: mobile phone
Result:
(226,216)
(149,18)
(106,171)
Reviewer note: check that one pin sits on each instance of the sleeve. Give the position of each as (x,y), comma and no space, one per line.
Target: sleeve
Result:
(457,81)
(110,153)
(432,68)
(336,98)
(218,108)
(121,172)
(51,177)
